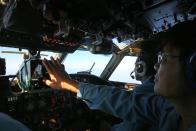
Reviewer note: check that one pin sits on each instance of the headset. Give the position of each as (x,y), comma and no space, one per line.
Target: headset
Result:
(140,68)
(190,69)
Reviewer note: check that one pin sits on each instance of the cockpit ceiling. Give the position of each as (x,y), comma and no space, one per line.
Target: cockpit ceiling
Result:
(66,25)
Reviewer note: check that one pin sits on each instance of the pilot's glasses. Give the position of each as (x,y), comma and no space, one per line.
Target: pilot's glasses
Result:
(162,56)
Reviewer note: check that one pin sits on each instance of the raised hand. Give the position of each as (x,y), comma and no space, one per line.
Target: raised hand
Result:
(59,79)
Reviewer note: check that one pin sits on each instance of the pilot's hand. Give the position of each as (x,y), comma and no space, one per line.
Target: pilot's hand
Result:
(59,78)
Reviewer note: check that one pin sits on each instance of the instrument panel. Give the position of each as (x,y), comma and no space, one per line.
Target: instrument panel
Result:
(52,110)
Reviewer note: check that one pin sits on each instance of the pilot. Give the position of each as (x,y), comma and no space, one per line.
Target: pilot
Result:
(113,100)
(144,72)
(174,80)
(176,73)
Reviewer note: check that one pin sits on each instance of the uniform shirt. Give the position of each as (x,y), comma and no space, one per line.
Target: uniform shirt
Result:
(114,100)
(142,106)
(9,124)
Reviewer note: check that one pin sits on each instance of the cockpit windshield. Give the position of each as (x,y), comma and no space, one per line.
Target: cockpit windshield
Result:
(86,62)
(14,58)
(125,71)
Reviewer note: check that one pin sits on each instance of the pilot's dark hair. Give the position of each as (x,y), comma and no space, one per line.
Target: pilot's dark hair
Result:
(148,54)
(182,36)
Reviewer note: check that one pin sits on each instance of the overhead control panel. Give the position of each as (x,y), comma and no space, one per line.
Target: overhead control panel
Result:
(24,40)
(167,13)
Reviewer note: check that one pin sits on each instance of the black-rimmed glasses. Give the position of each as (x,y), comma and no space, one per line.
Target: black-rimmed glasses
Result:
(162,56)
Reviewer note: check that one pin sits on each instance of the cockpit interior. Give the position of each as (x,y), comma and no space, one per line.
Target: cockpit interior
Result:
(101,31)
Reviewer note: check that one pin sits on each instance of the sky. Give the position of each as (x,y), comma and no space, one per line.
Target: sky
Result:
(13,61)
(122,72)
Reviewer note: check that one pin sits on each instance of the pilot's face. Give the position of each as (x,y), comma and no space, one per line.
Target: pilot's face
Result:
(169,79)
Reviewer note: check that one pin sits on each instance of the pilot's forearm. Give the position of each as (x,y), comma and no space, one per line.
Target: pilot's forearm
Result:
(93,92)
(106,98)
